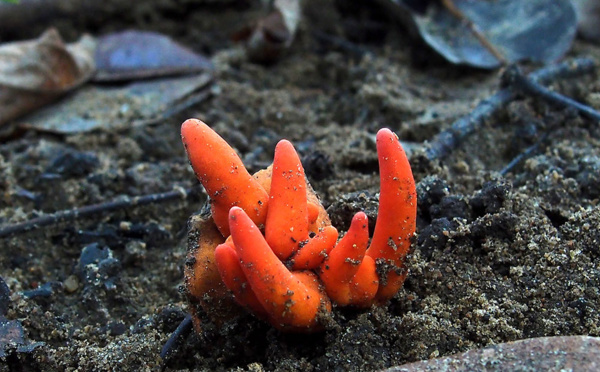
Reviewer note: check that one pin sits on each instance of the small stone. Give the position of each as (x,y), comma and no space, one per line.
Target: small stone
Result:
(135,252)
(71,284)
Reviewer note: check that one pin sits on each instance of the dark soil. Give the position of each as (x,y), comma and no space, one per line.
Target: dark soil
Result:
(496,258)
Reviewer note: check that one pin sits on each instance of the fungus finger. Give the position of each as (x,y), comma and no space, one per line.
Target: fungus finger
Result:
(365,283)
(223,175)
(313,212)
(315,208)
(312,254)
(287,299)
(287,218)
(396,216)
(344,260)
(234,278)
(313,285)
(394,280)
(317,215)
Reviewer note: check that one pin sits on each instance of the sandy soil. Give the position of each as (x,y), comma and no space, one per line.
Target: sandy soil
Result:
(496,258)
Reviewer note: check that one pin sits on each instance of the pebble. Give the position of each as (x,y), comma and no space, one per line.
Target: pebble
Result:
(71,284)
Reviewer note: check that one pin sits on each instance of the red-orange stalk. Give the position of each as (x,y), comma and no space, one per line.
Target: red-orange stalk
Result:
(339,270)
(286,227)
(396,218)
(292,300)
(223,175)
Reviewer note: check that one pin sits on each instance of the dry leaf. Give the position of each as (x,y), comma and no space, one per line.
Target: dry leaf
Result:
(36,72)
(537,30)
(116,107)
(133,55)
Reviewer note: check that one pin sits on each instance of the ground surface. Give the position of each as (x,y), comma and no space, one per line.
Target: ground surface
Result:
(496,259)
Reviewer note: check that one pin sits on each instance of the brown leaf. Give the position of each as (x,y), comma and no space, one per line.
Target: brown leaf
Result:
(35,72)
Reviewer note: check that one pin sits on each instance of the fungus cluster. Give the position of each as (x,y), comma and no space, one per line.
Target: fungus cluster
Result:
(269,242)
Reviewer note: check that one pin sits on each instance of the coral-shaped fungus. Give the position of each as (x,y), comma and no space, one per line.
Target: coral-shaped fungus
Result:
(268,240)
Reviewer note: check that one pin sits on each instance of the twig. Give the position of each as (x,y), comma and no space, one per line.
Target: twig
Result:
(446,141)
(567,69)
(95,209)
(514,78)
(522,156)
(449,139)
(183,330)
(517,80)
